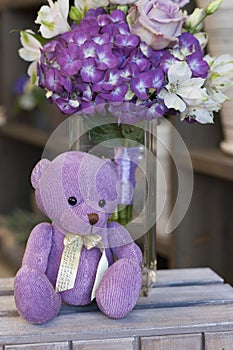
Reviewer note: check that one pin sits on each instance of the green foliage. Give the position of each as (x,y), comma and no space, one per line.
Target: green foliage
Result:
(114,135)
(75,14)
(21,222)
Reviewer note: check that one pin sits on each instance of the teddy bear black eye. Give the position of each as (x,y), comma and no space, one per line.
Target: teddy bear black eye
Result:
(102,203)
(72,201)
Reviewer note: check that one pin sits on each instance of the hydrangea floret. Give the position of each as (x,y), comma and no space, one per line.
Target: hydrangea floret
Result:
(148,53)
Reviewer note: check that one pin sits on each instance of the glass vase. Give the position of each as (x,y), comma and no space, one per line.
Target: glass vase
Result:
(132,147)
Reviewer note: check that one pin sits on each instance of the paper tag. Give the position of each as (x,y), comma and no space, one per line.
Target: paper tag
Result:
(69,264)
(102,267)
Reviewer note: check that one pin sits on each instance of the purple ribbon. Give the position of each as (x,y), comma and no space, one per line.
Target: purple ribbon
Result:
(126,160)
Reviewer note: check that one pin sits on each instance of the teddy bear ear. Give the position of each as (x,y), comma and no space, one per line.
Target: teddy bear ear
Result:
(38,171)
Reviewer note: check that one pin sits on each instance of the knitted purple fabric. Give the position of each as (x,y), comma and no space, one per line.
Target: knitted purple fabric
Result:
(69,189)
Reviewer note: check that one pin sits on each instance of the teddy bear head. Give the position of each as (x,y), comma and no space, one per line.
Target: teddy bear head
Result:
(76,190)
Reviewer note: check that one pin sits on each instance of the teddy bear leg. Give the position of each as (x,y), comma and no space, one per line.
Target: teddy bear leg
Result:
(120,288)
(35,297)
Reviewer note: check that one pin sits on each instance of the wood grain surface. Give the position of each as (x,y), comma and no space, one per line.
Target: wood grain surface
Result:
(189,309)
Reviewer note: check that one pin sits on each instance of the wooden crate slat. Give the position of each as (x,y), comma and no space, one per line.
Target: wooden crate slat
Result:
(163,313)
(40,346)
(164,297)
(94,325)
(172,342)
(217,340)
(6,286)
(193,276)
(168,297)
(7,306)
(106,344)
(176,277)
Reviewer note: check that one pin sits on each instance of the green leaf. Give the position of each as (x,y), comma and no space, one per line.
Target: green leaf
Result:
(110,134)
(133,133)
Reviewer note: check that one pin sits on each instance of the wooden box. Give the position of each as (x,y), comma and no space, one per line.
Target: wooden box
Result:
(188,309)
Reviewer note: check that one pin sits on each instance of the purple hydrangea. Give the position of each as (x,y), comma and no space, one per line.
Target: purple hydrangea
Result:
(100,62)
(189,47)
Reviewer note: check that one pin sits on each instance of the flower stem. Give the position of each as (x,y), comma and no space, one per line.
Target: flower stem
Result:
(194,29)
(123,214)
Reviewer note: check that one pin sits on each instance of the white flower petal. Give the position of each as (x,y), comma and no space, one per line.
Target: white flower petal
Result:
(28,40)
(53,19)
(217,96)
(32,69)
(31,46)
(193,82)
(74,103)
(203,116)
(27,55)
(222,60)
(32,72)
(191,92)
(179,72)
(80,4)
(174,101)
(203,38)
(64,7)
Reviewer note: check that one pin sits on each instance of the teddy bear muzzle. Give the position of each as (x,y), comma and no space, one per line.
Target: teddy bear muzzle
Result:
(93,218)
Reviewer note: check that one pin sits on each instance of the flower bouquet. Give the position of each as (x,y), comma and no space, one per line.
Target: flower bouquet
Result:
(130,63)
(148,53)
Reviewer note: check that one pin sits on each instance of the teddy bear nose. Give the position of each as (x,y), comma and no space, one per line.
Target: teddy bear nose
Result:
(93,218)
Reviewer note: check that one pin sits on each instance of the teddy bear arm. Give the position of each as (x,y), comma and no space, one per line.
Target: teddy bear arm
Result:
(38,247)
(130,251)
(120,286)
(122,245)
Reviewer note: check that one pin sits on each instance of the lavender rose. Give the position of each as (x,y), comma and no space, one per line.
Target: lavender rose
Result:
(181,3)
(157,22)
(122,2)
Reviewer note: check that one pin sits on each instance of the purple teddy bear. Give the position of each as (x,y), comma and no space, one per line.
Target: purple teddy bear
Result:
(80,255)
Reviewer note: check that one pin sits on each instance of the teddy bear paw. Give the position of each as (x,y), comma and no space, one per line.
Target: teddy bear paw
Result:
(35,297)
(119,288)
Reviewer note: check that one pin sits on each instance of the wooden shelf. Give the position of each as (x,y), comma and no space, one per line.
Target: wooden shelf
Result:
(213,162)
(25,133)
(16,4)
